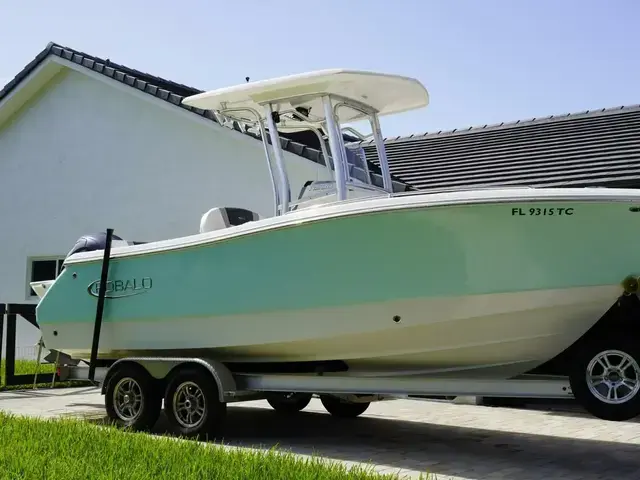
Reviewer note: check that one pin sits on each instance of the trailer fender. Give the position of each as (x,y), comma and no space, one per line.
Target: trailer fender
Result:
(162,368)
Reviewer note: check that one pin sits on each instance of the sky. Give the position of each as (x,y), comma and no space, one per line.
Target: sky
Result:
(483,61)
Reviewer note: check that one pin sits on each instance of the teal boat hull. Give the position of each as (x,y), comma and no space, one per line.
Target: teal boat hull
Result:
(493,287)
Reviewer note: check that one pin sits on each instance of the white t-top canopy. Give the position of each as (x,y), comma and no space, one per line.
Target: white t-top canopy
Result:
(387,94)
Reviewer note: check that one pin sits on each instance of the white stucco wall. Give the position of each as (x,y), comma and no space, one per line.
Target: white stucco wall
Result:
(87,156)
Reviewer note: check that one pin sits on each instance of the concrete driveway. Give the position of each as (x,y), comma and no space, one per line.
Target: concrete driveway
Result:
(412,436)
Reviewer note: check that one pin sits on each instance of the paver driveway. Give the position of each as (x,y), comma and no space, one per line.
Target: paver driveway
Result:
(409,436)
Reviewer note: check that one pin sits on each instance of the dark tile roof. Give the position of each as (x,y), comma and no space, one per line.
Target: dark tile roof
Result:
(592,148)
(166,90)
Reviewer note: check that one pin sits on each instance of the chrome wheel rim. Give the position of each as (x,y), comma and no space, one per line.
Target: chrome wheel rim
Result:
(189,405)
(613,377)
(127,399)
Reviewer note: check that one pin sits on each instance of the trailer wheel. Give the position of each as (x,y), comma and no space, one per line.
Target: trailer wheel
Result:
(132,399)
(605,378)
(343,409)
(289,403)
(192,404)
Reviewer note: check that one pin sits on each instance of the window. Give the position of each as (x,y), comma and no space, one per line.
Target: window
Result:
(44,269)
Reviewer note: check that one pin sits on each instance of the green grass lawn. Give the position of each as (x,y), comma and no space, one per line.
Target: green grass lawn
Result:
(25,367)
(73,449)
(28,367)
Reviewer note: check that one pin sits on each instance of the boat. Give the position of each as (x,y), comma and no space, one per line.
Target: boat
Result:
(354,274)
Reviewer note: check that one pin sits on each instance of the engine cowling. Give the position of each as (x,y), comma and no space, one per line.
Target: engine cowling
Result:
(92,242)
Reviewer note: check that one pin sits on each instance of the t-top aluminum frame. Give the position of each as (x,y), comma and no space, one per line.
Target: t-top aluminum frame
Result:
(337,158)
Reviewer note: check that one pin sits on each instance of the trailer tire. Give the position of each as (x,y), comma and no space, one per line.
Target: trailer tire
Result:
(132,399)
(605,377)
(289,403)
(192,404)
(343,409)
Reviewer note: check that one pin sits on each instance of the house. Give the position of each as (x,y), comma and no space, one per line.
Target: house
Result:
(87,144)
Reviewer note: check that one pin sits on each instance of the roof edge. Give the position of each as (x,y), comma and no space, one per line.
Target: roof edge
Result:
(516,123)
(166,90)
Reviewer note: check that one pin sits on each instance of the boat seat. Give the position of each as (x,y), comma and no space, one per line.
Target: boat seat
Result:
(223,217)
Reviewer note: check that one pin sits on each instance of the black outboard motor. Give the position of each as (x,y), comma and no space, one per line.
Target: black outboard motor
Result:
(89,243)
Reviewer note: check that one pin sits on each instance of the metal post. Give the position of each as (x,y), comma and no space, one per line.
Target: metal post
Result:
(38,360)
(2,312)
(100,306)
(336,154)
(343,151)
(55,369)
(323,148)
(276,195)
(10,360)
(382,152)
(277,150)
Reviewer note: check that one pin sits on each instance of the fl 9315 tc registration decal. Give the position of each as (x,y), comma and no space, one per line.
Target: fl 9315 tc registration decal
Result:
(539,211)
